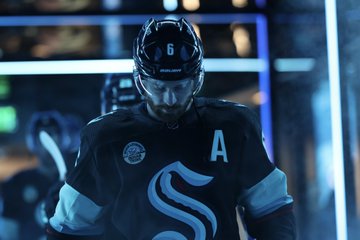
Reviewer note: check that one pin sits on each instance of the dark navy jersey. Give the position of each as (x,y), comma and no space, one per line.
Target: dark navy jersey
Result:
(145,179)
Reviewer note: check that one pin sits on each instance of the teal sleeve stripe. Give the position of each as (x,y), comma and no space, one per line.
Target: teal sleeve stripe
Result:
(266,196)
(76,214)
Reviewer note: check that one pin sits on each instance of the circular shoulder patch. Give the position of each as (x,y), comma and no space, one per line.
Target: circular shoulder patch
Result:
(134,153)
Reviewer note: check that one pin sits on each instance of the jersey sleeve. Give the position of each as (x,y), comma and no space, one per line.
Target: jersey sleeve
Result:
(266,202)
(92,175)
(255,164)
(76,215)
(86,194)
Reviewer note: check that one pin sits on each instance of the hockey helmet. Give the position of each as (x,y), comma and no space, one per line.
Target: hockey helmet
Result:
(64,129)
(167,50)
(119,90)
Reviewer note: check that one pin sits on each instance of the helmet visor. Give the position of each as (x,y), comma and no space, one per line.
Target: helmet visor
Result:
(179,88)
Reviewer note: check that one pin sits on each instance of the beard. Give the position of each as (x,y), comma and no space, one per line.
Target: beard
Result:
(167,113)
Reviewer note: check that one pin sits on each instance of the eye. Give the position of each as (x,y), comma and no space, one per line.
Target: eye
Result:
(182,86)
(158,87)
(179,88)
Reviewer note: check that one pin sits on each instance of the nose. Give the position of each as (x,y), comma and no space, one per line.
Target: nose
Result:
(169,98)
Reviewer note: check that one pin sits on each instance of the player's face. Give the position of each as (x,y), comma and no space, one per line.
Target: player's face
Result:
(168,100)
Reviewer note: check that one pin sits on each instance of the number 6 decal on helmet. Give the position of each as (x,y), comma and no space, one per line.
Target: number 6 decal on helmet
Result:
(170,49)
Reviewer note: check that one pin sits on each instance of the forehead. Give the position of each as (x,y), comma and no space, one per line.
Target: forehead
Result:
(169,83)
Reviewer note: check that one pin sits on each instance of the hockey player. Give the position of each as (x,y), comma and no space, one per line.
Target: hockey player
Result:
(22,195)
(176,166)
(118,91)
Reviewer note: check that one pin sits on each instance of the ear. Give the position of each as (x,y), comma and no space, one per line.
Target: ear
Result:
(138,83)
(199,81)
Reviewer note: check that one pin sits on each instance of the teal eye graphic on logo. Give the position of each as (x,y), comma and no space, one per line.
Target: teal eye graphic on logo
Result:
(195,179)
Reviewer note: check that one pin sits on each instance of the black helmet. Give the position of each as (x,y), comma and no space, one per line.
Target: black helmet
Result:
(65,129)
(119,90)
(167,50)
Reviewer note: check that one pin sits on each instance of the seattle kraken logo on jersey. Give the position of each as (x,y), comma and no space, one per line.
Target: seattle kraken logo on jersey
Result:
(163,177)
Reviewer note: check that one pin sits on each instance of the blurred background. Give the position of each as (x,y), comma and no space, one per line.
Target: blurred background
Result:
(294,62)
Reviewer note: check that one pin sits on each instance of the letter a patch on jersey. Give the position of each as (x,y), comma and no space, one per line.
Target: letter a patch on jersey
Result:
(218,147)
